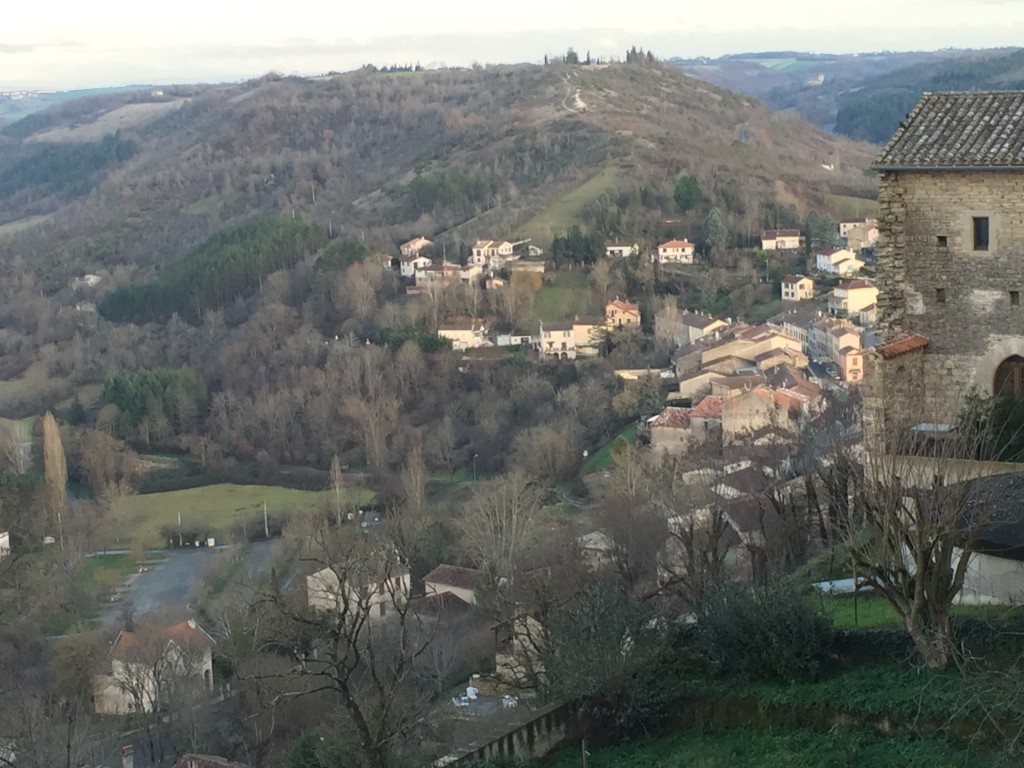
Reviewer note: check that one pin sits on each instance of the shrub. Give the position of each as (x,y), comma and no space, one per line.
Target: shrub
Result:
(774,634)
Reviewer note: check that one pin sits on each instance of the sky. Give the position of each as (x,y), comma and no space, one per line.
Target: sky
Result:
(65,44)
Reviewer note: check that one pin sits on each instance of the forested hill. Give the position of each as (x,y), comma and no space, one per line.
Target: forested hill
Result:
(873,111)
(469,152)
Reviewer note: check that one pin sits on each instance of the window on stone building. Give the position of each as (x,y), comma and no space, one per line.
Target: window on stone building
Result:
(981,233)
(942,240)
(940,295)
(1014,298)
(1009,377)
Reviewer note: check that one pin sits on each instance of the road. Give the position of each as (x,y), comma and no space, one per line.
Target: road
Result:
(174,583)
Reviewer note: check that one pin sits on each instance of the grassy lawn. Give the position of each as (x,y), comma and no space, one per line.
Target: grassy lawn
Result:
(846,206)
(13,227)
(566,296)
(564,212)
(602,457)
(217,507)
(778,748)
(872,612)
(34,378)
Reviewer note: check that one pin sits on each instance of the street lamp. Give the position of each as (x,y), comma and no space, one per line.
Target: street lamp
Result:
(474,466)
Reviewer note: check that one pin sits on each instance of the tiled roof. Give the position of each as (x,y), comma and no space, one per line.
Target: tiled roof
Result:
(546,327)
(187,635)
(674,418)
(901,344)
(623,306)
(454,576)
(774,234)
(794,279)
(853,284)
(709,408)
(695,320)
(959,131)
(676,244)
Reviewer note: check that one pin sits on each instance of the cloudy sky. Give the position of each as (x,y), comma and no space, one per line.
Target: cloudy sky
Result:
(72,44)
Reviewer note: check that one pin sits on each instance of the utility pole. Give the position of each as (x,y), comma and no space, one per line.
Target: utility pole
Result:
(266,526)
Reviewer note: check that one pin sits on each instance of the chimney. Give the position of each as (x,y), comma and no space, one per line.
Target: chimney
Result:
(128,756)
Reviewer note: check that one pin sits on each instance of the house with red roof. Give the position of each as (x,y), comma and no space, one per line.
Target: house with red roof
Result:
(621,314)
(675,252)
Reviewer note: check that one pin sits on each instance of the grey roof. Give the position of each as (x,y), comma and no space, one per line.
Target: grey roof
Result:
(959,131)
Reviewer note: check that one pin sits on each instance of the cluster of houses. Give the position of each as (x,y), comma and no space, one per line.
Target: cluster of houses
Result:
(486,258)
(580,337)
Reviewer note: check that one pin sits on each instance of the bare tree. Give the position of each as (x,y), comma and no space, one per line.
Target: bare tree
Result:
(16,443)
(337,482)
(500,522)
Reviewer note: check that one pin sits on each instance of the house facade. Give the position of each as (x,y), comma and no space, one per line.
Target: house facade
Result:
(469,334)
(491,254)
(621,314)
(621,251)
(797,288)
(676,252)
(851,297)
(950,258)
(414,246)
(557,341)
(374,587)
(461,582)
(837,261)
(145,665)
(408,265)
(781,240)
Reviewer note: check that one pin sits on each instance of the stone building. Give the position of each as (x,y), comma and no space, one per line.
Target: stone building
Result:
(950,259)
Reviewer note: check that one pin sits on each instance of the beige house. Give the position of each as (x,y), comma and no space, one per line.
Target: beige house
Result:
(468,334)
(557,341)
(675,252)
(670,430)
(797,288)
(837,261)
(781,240)
(747,344)
(518,643)
(681,327)
(587,335)
(461,582)
(433,275)
(492,254)
(852,296)
(621,251)
(829,336)
(375,587)
(621,314)
(414,246)
(851,364)
(146,667)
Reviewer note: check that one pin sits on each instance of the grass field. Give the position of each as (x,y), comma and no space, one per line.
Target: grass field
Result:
(782,748)
(873,612)
(13,227)
(34,378)
(847,207)
(216,507)
(602,457)
(566,296)
(564,212)
(128,116)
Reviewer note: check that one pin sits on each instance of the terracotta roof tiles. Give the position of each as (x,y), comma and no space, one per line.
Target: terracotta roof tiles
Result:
(901,344)
(454,576)
(673,418)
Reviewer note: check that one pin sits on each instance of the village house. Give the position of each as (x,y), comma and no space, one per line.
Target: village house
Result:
(588,335)
(621,251)
(85,281)
(837,261)
(675,252)
(409,265)
(851,364)
(868,316)
(470,273)
(527,265)
(621,314)
(5,544)
(797,323)
(414,246)
(433,275)
(829,335)
(492,254)
(515,339)
(781,240)
(452,579)
(861,236)
(746,344)
(517,646)
(950,266)
(845,225)
(850,297)
(143,665)
(681,327)
(373,586)
(466,334)
(706,418)
(797,288)
(556,341)
(670,430)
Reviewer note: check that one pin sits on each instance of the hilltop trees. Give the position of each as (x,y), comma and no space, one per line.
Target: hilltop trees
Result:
(687,193)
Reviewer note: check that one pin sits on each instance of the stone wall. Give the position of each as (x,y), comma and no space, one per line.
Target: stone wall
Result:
(551,728)
(942,288)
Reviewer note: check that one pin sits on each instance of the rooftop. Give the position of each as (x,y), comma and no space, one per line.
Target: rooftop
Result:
(959,131)
(773,234)
(697,320)
(623,306)
(901,344)
(673,418)
(709,408)
(454,576)
(677,244)
(186,635)
(794,279)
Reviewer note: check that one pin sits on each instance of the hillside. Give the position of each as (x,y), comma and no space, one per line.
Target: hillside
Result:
(818,86)
(463,152)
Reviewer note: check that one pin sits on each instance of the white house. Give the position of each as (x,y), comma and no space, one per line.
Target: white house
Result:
(797,288)
(407,265)
(837,261)
(5,544)
(781,240)
(468,334)
(621,251)
(675,252)
(414,246)
(145,665)
(492,254)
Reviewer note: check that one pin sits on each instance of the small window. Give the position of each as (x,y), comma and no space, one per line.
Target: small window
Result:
(980,233)
(940,295)
(1014,298)
(942,240)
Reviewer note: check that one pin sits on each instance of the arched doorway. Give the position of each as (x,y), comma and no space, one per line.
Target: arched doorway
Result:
(1009,378)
